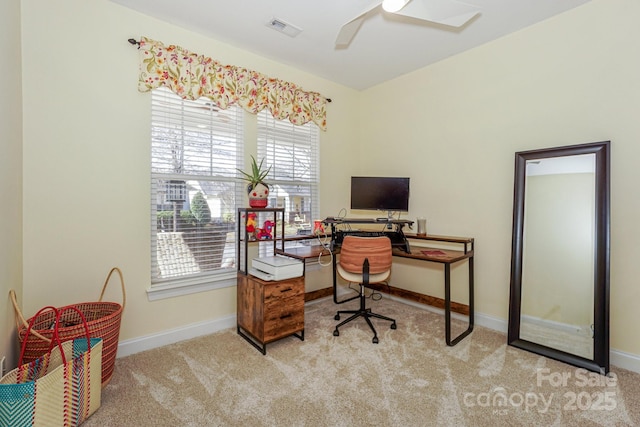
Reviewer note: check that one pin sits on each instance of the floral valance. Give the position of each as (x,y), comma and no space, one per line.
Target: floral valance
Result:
(193,76)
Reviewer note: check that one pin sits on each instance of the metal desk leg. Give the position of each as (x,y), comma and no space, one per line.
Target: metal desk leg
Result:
(447,304)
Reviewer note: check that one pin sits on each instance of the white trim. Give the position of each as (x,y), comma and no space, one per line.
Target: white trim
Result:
(489,322)
(175,289)
(171,336)
(558,326)
(619,358)
(625,360)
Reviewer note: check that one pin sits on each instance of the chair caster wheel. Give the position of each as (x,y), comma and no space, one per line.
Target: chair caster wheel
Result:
(336,333)
(375,340)
(393,326)
(337,317)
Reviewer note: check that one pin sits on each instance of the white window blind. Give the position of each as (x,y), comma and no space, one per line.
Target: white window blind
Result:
(293,154)
(195,150)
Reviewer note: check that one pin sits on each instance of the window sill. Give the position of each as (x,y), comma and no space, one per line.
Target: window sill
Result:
(182,287)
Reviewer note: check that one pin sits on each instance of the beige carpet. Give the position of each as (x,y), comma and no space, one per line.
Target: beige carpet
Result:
(411,378)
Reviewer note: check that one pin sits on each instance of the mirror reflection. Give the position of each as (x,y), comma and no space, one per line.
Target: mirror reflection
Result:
(558,253)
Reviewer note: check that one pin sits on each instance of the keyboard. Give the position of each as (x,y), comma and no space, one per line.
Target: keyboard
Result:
(397,238)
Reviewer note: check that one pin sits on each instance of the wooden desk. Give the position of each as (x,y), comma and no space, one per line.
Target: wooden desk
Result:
(446,257)
(304,252)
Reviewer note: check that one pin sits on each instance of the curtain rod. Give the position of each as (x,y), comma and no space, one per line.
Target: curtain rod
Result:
(137,43)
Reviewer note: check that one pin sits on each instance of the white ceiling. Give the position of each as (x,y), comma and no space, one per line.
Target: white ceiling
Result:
(385,47)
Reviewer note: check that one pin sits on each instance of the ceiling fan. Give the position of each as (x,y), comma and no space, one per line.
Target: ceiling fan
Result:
(446,12)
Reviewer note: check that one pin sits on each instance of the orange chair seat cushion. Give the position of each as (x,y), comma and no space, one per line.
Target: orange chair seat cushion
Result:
(355,249)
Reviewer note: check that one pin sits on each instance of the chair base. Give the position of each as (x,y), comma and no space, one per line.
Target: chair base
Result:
(367,314)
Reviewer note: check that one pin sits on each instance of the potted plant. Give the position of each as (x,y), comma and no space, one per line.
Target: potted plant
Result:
(257,189)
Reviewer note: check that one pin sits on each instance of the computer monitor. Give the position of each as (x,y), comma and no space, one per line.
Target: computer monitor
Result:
(380,193)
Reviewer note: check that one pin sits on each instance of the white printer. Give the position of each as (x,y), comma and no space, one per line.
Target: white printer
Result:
(276,268)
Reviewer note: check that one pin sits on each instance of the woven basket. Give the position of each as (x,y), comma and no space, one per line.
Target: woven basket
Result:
(103,319)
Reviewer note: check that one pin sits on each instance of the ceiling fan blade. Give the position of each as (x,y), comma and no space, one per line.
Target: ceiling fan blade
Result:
(446,12)
(349,30)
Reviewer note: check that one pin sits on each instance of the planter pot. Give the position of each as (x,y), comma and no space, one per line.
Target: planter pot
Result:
(258,195)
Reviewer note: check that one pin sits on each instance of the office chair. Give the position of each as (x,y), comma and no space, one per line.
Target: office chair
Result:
(364,260)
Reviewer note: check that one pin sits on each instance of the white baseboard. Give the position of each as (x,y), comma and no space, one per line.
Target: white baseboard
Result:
(136,345)
(628,361)
(567,328)
(490,322)
(619,358)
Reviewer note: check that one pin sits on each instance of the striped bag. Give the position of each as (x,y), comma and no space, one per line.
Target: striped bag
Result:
(61,388)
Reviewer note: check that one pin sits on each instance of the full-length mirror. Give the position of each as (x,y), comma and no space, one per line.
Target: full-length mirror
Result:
(559,302)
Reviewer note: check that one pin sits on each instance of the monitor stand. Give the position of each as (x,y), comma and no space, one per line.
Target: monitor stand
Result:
(389,216)
(389,219)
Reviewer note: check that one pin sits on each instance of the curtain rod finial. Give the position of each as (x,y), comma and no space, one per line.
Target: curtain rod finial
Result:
(134,41)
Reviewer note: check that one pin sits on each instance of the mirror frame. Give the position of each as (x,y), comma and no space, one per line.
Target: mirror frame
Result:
(600,361)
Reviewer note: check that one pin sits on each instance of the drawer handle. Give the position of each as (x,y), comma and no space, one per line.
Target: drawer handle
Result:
(286,290)
(285,316)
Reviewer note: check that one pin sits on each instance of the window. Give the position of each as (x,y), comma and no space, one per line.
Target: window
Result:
(293,154)
(195,150)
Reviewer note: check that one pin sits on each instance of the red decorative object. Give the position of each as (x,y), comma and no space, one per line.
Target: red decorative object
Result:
(251,225)
(265,232)
(258,203)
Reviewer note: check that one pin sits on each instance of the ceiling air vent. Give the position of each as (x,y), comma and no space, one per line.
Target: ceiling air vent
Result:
(284,27)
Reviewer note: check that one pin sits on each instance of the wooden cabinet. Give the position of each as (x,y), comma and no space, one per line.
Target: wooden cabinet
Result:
(269,311)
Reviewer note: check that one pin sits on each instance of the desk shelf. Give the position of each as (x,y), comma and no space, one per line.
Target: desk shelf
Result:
(244,239)
(303,253)
(439,255)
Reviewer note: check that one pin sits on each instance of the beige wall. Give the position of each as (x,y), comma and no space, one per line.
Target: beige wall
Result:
(452,127)
(10,173)
(456,125)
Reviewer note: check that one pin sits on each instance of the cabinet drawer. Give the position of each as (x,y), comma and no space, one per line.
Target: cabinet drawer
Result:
(283,322)
(282,308)
(286,289)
